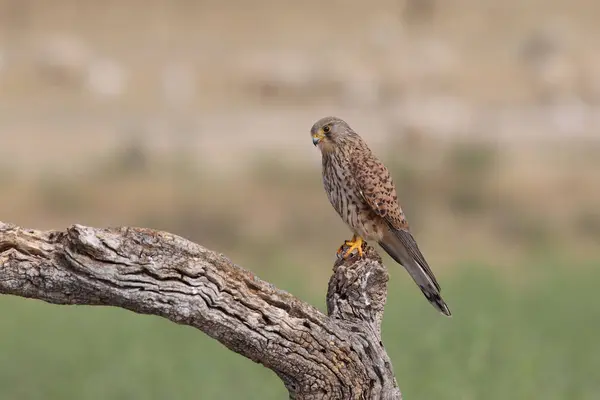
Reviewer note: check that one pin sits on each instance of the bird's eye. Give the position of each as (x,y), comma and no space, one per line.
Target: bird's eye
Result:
(326,129)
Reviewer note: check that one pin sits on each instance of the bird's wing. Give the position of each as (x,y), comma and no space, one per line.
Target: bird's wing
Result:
(377,188)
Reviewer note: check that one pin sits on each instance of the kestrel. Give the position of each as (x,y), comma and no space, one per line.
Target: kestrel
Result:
(362,192)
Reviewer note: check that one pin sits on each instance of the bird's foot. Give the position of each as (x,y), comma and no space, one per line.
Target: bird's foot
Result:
(351,245)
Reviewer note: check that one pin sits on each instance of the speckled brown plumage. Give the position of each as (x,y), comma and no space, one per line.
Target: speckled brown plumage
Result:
(362,192)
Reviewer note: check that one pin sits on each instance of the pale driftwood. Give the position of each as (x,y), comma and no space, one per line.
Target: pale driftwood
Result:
(334,356)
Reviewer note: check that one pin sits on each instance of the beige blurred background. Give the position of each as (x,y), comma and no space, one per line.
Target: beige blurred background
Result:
(115,112)
(194,117)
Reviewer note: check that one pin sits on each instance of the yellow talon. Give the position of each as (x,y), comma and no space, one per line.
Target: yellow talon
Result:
(354,244)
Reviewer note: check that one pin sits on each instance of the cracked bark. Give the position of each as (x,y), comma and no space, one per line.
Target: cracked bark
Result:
(335,356)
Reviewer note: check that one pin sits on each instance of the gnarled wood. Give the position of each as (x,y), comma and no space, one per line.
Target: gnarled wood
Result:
(334,356)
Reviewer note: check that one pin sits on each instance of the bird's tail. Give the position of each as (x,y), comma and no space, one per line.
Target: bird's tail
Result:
(401,246)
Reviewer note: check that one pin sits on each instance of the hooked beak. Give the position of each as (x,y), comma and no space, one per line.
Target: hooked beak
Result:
(316,138)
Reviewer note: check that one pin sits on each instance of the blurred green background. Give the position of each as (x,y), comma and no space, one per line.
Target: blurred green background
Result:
(194,117)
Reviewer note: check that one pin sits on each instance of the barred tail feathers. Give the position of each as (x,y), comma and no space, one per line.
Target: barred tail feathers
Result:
(401,246)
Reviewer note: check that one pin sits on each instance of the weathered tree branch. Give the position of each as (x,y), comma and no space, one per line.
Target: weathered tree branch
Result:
(339,356)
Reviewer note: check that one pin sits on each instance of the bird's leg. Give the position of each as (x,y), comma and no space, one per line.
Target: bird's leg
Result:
(354,244)
(348,243)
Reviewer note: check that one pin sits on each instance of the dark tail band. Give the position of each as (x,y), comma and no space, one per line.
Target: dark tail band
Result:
(436,300)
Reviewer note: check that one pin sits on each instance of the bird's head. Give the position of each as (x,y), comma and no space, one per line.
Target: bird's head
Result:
(330,132)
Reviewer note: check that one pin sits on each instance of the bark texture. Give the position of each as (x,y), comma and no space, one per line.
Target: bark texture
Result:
(317,356)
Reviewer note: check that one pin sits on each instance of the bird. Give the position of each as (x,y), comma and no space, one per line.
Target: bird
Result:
(361,190)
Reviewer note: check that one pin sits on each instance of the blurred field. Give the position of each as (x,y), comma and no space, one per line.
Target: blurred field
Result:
(193,117)
(533,341)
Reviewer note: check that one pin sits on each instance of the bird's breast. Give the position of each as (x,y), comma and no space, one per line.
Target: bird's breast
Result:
(345,197)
